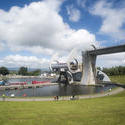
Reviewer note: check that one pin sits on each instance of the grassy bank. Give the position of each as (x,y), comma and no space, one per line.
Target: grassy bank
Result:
(89,112)
(118,79)
(103,111)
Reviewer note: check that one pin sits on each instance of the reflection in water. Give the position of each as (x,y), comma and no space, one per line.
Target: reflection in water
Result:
(54,90)
(57,90)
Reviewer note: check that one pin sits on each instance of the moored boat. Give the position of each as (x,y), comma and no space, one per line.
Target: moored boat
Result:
(39,82)
(18,83)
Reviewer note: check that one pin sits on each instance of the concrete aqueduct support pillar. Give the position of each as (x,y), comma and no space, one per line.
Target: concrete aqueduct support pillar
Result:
(89,60)
(89,70)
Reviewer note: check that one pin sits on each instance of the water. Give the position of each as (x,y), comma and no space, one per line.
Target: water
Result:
(28,80)
(54,90)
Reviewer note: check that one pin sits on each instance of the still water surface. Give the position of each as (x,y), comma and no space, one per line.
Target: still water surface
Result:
(54,90)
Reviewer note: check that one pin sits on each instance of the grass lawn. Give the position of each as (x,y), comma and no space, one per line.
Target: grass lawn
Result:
(118,79)
(97,111)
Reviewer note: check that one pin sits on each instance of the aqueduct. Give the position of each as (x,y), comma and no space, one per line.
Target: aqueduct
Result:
(89,62)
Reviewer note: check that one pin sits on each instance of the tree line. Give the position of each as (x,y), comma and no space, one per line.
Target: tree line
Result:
(22,71)
(118,70)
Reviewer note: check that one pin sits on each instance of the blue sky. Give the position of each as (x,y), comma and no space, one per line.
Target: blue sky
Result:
(32,31)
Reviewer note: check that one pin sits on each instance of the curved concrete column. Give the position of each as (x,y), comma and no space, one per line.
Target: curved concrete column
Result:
(89,70)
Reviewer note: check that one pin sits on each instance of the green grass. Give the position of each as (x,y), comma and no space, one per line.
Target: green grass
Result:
(118,79)
(104,111)
(97,111)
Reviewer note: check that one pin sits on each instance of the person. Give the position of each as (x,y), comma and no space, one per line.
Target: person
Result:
(73,97)
(54,97)
(3,97)
(110,90)
(57,98)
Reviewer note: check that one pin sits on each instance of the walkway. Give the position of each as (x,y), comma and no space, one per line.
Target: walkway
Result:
(113,92)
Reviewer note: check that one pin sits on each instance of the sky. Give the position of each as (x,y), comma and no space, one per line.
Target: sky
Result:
(33,31)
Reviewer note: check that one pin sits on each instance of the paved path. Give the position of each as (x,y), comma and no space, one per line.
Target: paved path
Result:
(113,92)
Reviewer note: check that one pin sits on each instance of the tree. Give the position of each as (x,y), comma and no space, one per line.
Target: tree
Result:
(4,71)
(35,72)
(118,70)
(23,71)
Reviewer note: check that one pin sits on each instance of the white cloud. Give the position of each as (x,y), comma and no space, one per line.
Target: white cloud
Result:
(29,61)
(111,60)
(39,28)
(74,14)
(113,19)
(108,60)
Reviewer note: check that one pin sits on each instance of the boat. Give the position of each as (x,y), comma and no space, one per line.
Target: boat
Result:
(40,82)
(18,83)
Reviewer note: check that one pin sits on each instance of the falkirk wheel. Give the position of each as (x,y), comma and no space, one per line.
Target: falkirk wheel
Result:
(88,75)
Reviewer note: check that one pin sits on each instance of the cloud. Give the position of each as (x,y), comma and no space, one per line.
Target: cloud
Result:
(35,62)
(108,60)
(74,14)
(111,60)
(29,61)
(113,19)
(39,28)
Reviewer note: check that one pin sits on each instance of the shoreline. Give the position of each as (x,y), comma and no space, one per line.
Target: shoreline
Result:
(112,92)
(19,77)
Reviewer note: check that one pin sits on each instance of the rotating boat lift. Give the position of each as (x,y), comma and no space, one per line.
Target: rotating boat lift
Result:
(89,72)
(89,62)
